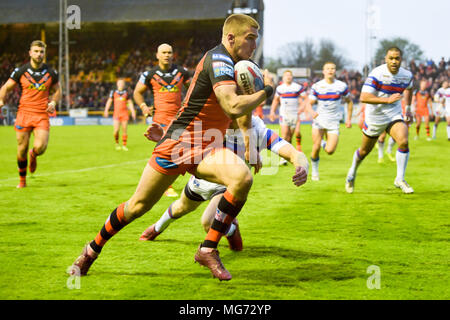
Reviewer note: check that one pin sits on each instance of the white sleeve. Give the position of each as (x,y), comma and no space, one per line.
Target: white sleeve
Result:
(411,83)
(313,93)
(277,92)
(372,83)
(345,90)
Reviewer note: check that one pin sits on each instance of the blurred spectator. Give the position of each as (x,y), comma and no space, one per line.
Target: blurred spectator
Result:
(95,64)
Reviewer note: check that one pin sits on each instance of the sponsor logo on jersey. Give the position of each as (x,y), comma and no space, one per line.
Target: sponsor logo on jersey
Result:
(222,69)
(222,57)
(169,88)
(37,86)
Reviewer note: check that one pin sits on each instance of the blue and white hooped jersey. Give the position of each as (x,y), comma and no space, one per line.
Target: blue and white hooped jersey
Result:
(289,95)
(329,97)
(382,83)
(264,138)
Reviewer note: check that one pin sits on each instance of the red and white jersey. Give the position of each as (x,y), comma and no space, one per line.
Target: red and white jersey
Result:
(382,83)
(439,94)
(446,97)
(289,95)
(329,98)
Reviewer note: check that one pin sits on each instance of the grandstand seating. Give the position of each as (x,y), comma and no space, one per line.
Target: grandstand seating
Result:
(98,58)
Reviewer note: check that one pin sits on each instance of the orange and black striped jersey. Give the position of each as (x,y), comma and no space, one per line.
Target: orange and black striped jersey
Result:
(35,86)
(201,111)
(166,87)
(120,100)
(422,98)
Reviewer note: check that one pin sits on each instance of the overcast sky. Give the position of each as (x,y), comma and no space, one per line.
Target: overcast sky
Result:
(423,22)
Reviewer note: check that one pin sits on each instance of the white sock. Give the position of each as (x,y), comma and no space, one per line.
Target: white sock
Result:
(402,157)
(380,149)
(391,143)
(231,230)
(315,166)
(165,220)
(434,130)
(448,132)
(355,164)
(323,144)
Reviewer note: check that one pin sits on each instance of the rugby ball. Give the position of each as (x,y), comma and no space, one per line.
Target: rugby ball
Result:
(248,76)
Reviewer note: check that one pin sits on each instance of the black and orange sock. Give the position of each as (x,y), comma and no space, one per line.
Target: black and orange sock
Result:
(33,153)
(417,130)
(299,142)
(115,222)
(116,137)
(427,128)
(227,209)
(22,164)
(124,139)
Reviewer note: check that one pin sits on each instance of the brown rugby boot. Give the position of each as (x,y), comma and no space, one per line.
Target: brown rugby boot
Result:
(212,261)
(149,234)
(33,161)
(82,264)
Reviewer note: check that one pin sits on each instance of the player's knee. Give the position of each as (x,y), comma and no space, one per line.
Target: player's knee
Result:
(247,181)
(242,183)
(206,225)
(40,148)
(330,151)
(363,153)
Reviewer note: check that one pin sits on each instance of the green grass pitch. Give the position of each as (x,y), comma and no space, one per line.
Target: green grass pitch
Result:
(311,242)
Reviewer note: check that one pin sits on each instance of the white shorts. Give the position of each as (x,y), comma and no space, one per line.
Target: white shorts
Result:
(439,111)
(202,190)
(374,130)
(321,123)
(289,119)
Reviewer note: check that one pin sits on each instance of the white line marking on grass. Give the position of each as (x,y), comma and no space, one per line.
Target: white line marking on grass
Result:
(80,170)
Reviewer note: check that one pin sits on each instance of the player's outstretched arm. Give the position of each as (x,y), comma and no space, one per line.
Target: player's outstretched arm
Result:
(8,86)
(299,160)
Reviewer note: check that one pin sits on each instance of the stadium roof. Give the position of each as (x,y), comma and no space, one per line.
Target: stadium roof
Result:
(47,11)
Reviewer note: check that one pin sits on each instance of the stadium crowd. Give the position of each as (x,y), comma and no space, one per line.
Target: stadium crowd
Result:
(93,72)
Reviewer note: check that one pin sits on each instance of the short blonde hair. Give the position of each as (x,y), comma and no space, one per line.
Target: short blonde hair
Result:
(329,62)
(38,43)
(238,23)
